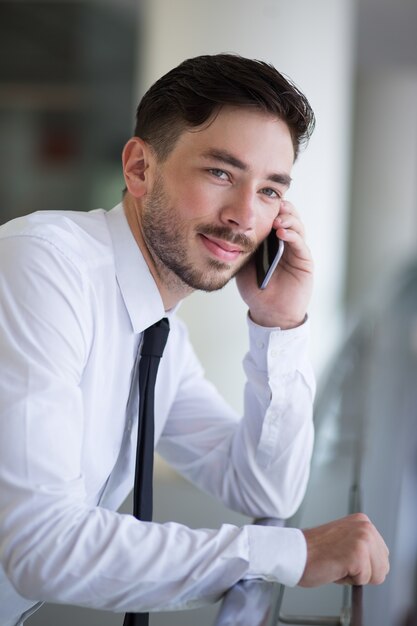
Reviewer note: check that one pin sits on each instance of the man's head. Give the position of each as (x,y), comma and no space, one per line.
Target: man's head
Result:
(195,91)
(208,167)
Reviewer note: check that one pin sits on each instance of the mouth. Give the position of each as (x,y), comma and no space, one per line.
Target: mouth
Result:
(221,249)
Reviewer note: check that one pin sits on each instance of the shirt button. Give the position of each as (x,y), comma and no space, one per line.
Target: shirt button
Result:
(274,353)
(260,344)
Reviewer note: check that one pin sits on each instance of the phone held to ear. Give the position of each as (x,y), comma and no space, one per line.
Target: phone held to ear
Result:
(267,258)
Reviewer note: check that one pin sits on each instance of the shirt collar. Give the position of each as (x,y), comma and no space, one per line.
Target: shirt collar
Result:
(139,290)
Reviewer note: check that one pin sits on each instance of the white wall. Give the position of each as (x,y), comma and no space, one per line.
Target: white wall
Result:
(384,196)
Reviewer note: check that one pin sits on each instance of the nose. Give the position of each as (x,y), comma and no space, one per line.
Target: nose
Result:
(239,209)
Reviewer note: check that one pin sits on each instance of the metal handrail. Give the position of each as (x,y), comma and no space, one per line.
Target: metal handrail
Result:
(350,614)
(305,620)
(357,610)
(356,348)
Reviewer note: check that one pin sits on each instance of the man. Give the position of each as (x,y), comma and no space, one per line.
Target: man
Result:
(206,175)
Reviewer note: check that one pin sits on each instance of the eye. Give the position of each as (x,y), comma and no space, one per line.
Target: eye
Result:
(271,193)
(218,173)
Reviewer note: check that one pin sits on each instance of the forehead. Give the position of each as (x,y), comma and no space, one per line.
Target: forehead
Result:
(249,133)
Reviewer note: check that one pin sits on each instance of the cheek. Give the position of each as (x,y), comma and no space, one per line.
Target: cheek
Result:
(196,204)
(265,226)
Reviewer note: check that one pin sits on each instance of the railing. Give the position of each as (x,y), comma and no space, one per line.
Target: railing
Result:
(339,440)
(340,426)
(351,609)
(258,603)
(350,614)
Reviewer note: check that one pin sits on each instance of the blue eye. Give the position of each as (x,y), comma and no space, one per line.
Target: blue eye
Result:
(271,193)
(218,173)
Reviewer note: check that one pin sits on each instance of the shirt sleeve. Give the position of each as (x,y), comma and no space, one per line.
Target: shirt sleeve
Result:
(257,464)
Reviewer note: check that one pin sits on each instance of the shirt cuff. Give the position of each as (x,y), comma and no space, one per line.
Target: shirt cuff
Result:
(266,344)
(276,554)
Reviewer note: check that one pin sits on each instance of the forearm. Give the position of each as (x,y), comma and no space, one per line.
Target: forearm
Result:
(136,566)
(258,464)
(277,427)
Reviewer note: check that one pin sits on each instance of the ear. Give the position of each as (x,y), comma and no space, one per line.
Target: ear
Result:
(137,157)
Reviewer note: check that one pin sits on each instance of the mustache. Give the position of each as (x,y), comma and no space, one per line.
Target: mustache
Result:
(229,235)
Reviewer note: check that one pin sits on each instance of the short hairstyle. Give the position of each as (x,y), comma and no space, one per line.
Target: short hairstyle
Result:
(194,91)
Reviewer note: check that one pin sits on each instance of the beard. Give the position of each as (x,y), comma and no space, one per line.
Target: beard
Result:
(165,235)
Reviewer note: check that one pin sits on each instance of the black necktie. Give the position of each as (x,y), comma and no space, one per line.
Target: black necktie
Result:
(154,340)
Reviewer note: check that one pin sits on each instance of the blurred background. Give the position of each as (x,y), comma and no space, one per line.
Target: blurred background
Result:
(71,74)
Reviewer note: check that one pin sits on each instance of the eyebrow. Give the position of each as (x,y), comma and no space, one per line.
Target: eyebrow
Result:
(230,159)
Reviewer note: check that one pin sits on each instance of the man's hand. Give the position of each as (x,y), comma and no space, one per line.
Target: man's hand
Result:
(347,551)
(284,301)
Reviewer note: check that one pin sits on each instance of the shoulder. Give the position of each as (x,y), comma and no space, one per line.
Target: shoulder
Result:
(80,237)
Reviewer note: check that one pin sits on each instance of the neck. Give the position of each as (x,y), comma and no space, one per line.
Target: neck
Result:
(171,288)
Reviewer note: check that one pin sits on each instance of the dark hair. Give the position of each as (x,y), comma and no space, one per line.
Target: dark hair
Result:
(194,91)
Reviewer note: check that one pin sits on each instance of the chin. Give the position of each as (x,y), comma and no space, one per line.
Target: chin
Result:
(209,280)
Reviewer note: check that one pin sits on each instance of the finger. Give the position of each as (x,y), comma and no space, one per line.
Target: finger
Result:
(287,207)
(374,553)
(379,560)
(290,221)
(297,244)
(288,217)
(371,563)
(367,576)
(348,580)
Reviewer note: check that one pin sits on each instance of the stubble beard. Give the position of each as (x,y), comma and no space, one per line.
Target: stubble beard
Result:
(166,239)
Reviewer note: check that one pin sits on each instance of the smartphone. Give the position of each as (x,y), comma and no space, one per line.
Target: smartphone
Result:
(267,258)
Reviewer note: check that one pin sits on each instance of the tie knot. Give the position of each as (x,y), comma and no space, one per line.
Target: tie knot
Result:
(155,338)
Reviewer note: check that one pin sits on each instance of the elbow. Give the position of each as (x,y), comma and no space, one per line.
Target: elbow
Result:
(285,494)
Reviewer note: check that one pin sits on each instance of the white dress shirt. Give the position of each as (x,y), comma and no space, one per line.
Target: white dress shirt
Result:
(75,297)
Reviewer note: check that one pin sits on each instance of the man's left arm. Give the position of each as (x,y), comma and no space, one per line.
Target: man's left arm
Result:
(258,464)
(279,347)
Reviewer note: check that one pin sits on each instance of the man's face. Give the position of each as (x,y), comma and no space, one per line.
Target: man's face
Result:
(213,200)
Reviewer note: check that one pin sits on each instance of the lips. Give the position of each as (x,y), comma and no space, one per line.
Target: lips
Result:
(221,249)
